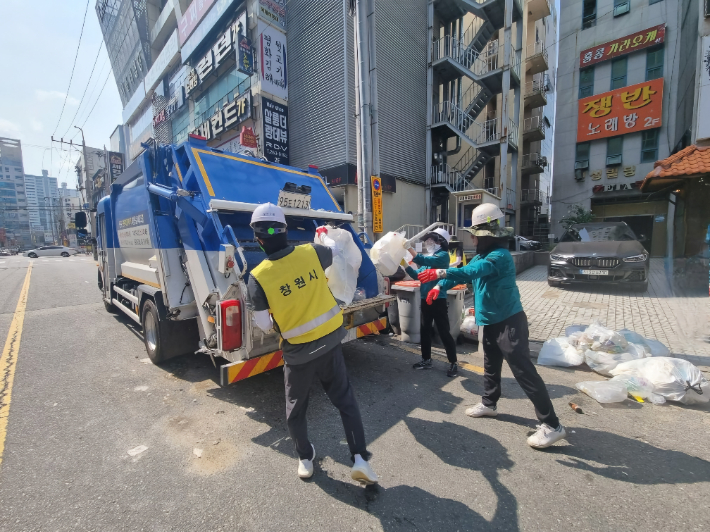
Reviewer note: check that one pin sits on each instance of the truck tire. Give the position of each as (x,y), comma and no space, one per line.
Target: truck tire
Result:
(165,339)
(110,307)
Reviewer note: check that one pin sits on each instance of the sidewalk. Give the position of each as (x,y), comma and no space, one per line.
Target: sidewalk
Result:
(679,321)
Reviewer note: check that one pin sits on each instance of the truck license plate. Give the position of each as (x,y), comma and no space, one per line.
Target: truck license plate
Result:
(595,272)
(294,201)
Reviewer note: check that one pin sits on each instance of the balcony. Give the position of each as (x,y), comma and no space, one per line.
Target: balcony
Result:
(442,175)
(480,135)
(534,128)
(531,196)
(538,9)
(453,58)
(532,163)
(536,92)
(536,58)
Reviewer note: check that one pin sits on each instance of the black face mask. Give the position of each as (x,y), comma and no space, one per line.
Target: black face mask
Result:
(273,244)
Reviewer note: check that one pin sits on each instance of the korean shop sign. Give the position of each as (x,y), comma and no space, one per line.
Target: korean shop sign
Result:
(222,50)
(625,110)
(230,116)
(625,45)
(275,131)
(192,17)
(274,77)
(376,184)
(273,11)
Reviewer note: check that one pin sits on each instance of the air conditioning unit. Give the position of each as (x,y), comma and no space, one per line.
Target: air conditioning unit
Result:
(543,161)
(613,160)
(621,9)
(581,165)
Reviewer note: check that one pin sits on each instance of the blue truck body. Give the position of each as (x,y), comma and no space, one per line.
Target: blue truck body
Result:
(176,251)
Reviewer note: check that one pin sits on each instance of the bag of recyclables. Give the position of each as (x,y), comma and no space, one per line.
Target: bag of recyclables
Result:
(604,391)
(388,252)
(343,272)
(559,352)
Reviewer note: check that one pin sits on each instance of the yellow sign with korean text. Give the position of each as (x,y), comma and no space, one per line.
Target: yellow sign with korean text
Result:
(377,226)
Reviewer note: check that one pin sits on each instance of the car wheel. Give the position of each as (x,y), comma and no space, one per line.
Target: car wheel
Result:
(65,254)
(32,255)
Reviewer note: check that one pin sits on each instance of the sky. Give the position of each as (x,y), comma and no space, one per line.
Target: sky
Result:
(38,43)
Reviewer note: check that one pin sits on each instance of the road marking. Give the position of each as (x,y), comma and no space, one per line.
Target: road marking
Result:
(8,359)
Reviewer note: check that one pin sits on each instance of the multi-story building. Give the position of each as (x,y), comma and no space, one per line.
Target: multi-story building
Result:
(626,82)
(14,218)
(70,202)
(487,136)
(42,200)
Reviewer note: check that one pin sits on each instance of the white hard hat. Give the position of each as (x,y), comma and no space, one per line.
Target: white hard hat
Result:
(443,232)
(268,212)
(485,214)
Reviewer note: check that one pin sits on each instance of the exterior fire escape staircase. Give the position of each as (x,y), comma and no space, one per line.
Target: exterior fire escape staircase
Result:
(474,55)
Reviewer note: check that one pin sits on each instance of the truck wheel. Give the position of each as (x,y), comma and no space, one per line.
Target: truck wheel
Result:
(152,329)
(110,307)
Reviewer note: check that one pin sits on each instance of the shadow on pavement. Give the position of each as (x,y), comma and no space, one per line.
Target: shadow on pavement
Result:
(630,460)
(511,389)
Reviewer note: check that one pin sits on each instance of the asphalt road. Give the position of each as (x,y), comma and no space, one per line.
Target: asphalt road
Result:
(83,396)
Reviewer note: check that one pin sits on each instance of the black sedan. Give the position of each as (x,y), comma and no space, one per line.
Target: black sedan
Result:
(603,252)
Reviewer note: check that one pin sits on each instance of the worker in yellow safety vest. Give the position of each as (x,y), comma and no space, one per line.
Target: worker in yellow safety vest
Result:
(289,293)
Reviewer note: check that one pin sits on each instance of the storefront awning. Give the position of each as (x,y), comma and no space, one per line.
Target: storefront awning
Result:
(690,163)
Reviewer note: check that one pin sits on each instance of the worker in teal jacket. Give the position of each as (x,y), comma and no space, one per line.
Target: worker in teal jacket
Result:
(434,307)
(505,325)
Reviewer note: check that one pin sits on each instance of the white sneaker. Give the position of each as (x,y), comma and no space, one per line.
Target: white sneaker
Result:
(481,410)
(305,467)
(364,474)
(546,436)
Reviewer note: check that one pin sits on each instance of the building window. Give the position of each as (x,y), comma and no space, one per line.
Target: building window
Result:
(621,7)
(654,64)
(586,82)
(589,14)
(618,73)
(649,146)
(651,2)
(614,148)
(582,156)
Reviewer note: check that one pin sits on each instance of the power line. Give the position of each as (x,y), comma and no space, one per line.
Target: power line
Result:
(71,77)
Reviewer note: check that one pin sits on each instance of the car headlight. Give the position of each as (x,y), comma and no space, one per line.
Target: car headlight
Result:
(636,258)
(559,257)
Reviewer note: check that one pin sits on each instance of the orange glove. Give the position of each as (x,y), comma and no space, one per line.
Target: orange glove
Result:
(432,295)
(430,275)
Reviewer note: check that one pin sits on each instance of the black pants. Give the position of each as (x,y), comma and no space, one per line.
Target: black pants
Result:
(437,313)
(330,370)
(509,340)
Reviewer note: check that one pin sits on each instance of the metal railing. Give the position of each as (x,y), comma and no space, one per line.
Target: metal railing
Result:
(513,132)
(477,132)
(531,195)
(411,230)
(457,50)
(536,49)
(443,174)
(494,190)
(531,160)
(470,95)
(537,86)
(515,60)
(534,123)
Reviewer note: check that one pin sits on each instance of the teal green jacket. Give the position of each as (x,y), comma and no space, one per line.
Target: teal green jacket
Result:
(437,261)
(496,296)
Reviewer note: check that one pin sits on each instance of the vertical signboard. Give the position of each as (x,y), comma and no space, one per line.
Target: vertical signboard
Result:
(273,11)
(275,116)
(703,127)
(274,76)
(376,205)
(116,164)
(245,56)
(192,17)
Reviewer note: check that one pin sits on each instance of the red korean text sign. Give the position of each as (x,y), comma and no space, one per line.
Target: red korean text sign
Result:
(625,110)
(623,46)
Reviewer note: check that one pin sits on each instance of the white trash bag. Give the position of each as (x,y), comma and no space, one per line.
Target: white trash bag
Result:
(673,378)
(558,352)
(388,252)
(653,347)
(598,338)
(604,391)
(603,362)
(640,387)
(343,272)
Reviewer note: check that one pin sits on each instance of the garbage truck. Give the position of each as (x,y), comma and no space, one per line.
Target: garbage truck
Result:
(175,251)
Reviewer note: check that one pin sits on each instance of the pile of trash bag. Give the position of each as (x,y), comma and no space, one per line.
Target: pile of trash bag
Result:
(469,329)
(639,367)
(343,272)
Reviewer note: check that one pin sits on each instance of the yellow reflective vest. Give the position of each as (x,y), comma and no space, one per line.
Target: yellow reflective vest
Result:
(299,298)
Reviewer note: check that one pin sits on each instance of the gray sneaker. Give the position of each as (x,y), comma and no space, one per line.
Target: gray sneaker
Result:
(481,410)
(423,364)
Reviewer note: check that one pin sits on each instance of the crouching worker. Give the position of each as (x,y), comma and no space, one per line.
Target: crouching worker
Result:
(505,332)
(290,293)
(434,308)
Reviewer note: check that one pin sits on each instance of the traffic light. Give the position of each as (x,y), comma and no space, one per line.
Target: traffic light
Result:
(80,220)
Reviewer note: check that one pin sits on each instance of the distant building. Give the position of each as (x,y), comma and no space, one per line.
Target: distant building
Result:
(14,218)
(42,205)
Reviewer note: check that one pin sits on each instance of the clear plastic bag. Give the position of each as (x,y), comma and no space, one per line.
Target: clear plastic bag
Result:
(599,338)
(342,274)
(604,391)
(603,362)
(653,347)
(469,327)
(559,352)
(640,387)
(388,252)
(673,378)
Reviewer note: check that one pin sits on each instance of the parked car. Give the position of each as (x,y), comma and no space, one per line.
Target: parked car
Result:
(5,252)
(528,245)
(50,251)
(603,252)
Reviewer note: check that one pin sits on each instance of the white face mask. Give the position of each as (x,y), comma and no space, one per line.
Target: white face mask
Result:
(431,247)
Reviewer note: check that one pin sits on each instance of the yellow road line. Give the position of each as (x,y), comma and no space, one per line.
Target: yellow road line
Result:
(8,360)
(462,365)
